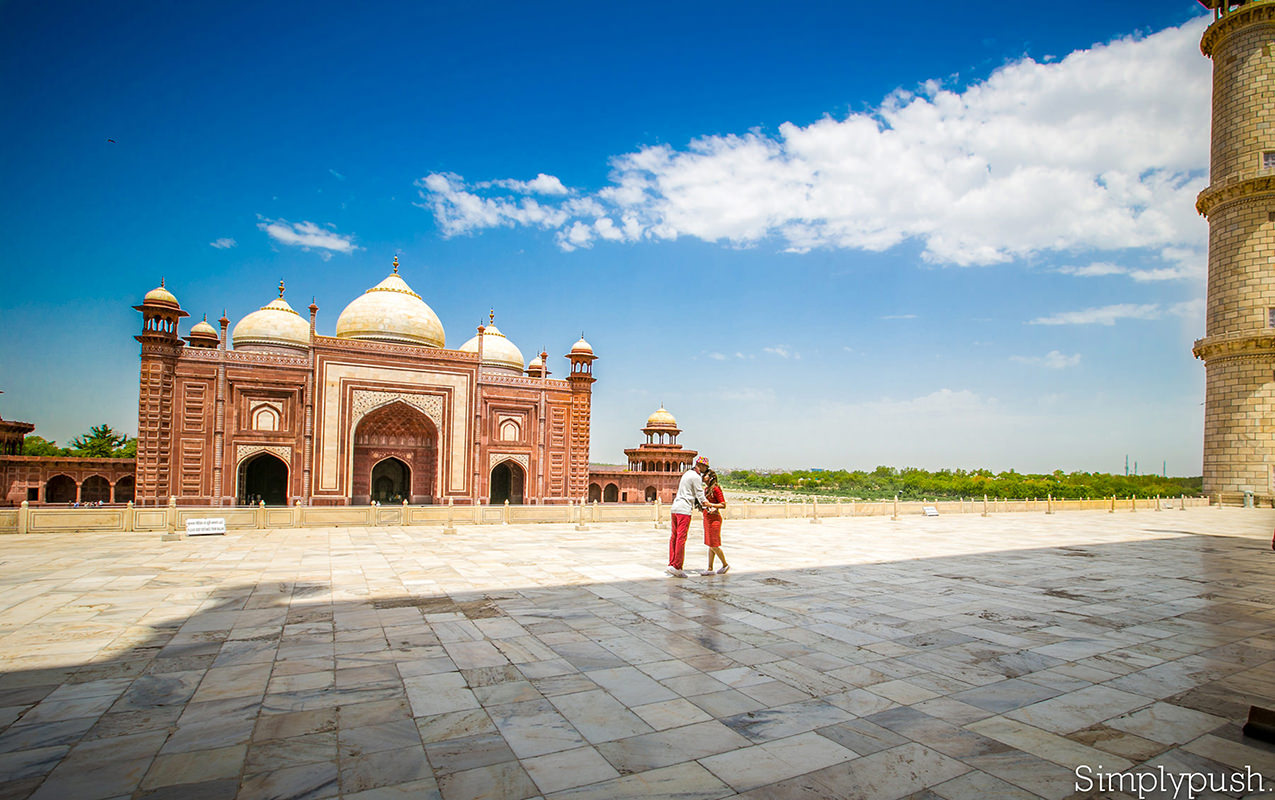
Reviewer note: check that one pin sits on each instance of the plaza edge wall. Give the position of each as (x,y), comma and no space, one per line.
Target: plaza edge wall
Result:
(172,518)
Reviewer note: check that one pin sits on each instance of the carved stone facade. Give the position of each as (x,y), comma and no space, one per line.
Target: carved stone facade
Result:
(1238,348)
(381,412)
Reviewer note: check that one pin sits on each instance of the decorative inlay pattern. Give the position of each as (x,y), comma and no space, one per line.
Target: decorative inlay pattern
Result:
(518,458)
(281,450)
(364,401)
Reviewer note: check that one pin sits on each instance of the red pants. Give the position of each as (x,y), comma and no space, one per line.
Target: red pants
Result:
(677,542)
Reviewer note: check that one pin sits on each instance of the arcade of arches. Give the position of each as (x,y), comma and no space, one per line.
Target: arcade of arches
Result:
(66,480)
(62,488)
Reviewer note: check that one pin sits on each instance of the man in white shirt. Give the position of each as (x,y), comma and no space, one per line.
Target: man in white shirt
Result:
(690,490)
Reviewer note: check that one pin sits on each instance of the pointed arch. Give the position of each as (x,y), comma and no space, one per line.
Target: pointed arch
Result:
(403,432)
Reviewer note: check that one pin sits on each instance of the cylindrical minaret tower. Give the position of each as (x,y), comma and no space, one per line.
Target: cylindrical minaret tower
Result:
(1238,348)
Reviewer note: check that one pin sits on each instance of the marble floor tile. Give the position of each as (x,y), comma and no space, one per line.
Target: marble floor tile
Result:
(1079,709)
(889,774)
(951,658)
(688,781)
(1167,723)
(755,766)
(674,746)
(568,769)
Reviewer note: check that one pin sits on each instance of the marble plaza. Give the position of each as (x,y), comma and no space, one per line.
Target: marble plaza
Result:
(952,657)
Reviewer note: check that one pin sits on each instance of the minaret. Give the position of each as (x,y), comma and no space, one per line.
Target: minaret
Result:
(161,346)
(1238,348)
(581,381)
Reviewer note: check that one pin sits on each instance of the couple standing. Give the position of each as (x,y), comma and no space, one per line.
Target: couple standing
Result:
(698,488)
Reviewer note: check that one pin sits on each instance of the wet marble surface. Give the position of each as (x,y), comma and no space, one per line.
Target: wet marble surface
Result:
(957,657)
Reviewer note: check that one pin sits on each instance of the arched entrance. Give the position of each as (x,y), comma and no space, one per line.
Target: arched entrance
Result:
(595,493)
(124,489)
(395,433)
(506,483)
(651,493)
(60,489)
(263,477)
(391,481)
(95,489)
(611,494)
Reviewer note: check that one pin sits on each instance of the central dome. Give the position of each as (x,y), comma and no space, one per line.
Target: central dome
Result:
(391,312)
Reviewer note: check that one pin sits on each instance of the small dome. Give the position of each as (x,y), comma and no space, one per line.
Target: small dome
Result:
(160,296)
(536,363)
(202,328)
(581,348)
(498,351)
(274,324)
(661,419)
(391,312)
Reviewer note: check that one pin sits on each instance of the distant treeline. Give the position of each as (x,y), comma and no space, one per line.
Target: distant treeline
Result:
(915,484)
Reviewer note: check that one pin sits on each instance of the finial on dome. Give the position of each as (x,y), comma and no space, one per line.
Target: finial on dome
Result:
(281,287)
(161,281)
(395,265)
(491,316)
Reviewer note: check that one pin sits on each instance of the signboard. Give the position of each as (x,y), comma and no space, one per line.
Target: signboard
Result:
(930,511)
(207,526)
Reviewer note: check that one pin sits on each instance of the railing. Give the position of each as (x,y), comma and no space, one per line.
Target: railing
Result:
(171,519)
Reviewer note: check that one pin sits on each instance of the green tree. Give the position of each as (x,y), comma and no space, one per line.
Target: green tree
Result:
(99,442)
(39,446)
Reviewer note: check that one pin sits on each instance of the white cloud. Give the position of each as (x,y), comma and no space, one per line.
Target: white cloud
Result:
(717,356)
(1097,269)
(1105,315)
(1189,265)
(307,236)
(899,316)
(783,351)
(1189,309)
(1104,149)
(458,210)
(224,243)
(541,184)
(1052,360)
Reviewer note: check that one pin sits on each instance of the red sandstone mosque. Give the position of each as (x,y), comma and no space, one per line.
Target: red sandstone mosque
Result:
(383,412)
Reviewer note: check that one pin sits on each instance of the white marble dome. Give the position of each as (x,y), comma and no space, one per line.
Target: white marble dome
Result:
(391,312)
(272,325)
(498,351)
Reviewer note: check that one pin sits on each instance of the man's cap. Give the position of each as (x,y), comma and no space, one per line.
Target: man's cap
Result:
(701,460)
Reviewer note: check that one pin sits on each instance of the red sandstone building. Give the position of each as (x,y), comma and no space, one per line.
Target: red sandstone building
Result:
(655,466)
(58,479)
(382,411)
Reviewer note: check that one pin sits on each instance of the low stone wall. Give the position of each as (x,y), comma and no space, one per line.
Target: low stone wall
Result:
(171,520)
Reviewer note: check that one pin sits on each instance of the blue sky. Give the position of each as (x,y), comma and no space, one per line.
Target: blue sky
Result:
(820,235)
